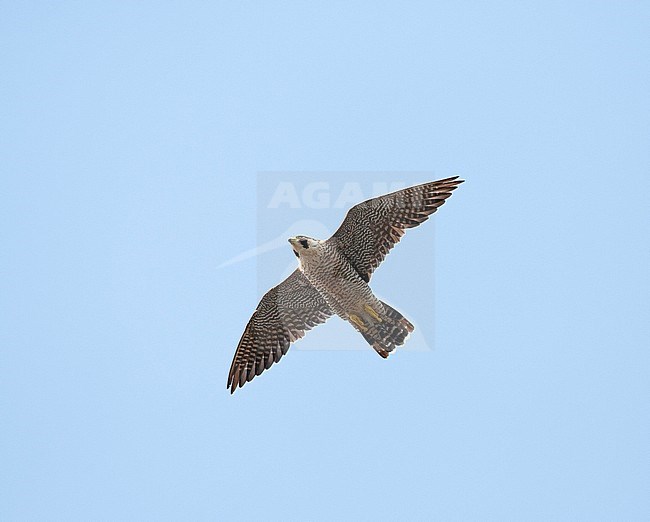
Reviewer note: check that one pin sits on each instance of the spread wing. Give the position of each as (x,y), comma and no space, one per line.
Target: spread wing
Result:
(283,315)
(370,229)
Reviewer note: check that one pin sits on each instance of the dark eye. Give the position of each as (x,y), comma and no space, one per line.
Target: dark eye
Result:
(304,243)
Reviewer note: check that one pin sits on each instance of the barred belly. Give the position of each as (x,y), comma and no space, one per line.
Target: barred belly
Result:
(339,283)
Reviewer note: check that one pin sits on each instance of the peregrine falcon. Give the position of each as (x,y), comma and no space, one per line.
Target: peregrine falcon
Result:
(332,279)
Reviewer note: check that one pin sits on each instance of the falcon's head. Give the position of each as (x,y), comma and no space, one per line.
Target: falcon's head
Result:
(302,244)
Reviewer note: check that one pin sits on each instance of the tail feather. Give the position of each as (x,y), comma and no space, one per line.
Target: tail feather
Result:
(391,332)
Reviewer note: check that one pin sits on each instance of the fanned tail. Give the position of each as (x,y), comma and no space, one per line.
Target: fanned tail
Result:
(390,331)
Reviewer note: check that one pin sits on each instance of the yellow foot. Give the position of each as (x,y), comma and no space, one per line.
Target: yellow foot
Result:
(357,320)
(374,314)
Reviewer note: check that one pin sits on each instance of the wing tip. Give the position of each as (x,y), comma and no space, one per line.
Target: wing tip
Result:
(235,378)
(233,384)
(453,180)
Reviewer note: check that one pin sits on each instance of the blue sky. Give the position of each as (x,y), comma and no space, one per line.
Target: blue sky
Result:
(132,138)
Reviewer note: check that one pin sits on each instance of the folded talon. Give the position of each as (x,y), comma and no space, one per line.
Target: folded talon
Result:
(359,322)
(374,314)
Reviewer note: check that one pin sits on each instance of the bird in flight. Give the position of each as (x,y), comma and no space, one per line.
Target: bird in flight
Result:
(332,279)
